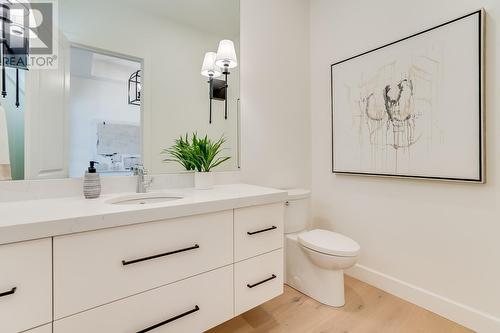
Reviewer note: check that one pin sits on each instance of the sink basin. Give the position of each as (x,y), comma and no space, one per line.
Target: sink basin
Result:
(143,199)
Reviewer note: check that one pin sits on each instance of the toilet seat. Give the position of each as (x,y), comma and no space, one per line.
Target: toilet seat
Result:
(329,242)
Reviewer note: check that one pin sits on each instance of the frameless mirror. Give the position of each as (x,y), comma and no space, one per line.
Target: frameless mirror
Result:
(120,82)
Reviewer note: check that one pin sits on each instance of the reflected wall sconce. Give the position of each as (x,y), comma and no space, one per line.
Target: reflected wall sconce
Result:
(210,71)
(134,88)
(215,65)
(14,40)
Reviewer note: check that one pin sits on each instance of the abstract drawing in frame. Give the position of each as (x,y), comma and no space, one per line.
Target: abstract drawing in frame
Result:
(413,108)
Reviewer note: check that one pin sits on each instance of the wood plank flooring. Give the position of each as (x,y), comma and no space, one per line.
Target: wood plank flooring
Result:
(367,309)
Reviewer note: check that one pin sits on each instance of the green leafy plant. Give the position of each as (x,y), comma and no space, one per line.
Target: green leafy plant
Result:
(198,153)
(180,152)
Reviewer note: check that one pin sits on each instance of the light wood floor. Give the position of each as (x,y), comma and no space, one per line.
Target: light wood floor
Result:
(367,309)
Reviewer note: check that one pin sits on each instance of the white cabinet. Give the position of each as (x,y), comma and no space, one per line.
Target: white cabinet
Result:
(257,280)
(257,230)
(25,285)
(189,306)
(183,274)
(99,267)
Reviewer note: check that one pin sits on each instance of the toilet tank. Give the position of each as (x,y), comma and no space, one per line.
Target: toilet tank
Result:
(297,210)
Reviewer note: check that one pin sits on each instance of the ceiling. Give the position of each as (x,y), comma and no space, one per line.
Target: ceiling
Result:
(220,17)
(89,64)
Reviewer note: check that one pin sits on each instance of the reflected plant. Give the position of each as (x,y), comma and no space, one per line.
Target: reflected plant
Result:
(180,152)
(198,153)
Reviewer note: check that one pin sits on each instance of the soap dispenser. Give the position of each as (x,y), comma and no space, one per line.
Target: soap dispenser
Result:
(91,182)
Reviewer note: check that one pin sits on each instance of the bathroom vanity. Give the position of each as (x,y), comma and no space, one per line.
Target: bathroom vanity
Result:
(71,265)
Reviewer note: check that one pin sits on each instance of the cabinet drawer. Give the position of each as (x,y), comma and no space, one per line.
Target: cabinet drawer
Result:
(41,329)
(199,303)
(258,230)
(257,280)
(98,267)
(25,285)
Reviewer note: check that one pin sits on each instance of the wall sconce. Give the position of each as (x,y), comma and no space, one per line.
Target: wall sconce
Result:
(210,70)
(216,64)
(226,58)
(134,88)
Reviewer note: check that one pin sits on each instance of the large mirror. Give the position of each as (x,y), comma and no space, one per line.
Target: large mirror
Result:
(127,83)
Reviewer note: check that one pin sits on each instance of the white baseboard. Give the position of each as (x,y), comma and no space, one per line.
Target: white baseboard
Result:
(457,312)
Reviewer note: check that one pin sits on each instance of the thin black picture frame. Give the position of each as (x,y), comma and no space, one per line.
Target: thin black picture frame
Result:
(482,170)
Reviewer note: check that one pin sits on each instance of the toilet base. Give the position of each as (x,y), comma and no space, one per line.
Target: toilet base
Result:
(324,285)
(331,294)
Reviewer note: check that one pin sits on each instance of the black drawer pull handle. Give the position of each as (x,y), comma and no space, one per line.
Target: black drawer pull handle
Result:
(10,292)
(261,282)
(263,230)
(125,263)
(196,308)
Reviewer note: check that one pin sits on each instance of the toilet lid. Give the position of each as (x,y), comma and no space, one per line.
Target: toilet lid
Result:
(329,242)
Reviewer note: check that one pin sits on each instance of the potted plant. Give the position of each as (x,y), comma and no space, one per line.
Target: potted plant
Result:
(200,154)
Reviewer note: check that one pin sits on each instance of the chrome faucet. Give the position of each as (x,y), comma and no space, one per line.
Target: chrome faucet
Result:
(142,184)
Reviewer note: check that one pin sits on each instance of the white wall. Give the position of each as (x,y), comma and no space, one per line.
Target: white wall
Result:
(72,187)
(434,243)
(275,92)
(175,93)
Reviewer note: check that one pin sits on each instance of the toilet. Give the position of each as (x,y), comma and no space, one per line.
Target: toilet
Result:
(315,259)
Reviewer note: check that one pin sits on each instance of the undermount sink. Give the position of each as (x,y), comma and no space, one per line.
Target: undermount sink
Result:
(143,199)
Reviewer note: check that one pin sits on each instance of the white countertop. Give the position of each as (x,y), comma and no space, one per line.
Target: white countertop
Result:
(33,219)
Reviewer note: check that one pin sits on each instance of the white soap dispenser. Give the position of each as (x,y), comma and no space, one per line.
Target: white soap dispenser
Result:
(92,182)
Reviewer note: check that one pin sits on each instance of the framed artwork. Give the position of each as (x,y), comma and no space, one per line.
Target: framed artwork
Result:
(414,107)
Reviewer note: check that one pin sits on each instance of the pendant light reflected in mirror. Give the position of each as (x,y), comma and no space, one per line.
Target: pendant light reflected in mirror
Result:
(135,88)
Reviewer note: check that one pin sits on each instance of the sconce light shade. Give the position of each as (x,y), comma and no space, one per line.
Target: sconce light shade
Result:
(226,55)
(209,69)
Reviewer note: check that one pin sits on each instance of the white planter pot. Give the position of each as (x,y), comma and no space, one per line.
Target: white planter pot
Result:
(204,180)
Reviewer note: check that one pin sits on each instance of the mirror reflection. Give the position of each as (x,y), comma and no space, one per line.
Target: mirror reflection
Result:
(131,77)
(104,121)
